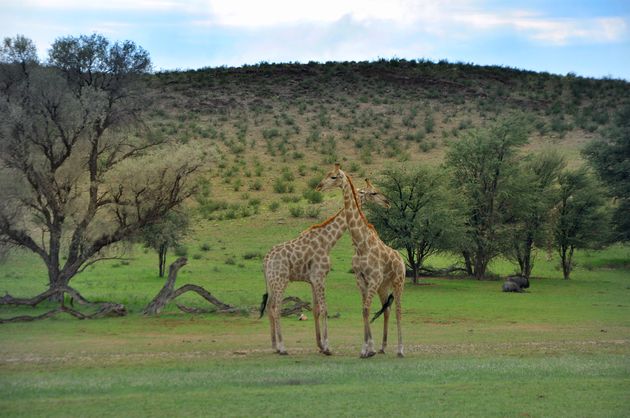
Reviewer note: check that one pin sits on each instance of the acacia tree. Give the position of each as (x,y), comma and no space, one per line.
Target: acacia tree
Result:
(79,172)
(420,219)
(529,207)
(581,218)
(165,234)
(483,166)
(610,157)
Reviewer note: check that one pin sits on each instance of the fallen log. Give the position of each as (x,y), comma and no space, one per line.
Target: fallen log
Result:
(296,309)
(168,293)
(104,308)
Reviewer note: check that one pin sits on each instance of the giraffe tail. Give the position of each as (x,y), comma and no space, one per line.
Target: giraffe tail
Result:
(386,305)
(263,305)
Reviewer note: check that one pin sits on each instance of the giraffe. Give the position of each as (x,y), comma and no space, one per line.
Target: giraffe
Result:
(376,266)
(306,258)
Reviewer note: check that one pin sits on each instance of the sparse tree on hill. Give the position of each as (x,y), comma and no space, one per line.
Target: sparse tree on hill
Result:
(78,171)
(581,218)
(483,167)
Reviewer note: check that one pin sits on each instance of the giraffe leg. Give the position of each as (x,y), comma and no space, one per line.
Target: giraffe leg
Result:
(316,315)
(323,311)
(382,294)
(271,303)
(275,312)
(272,324)
(398,288)
(368,344)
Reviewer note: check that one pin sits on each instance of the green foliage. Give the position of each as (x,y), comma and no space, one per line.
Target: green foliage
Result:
(483,167)
(273,206)
(610,157)
(429,123)
(281,186)
(165,234)
(180,251)
(313,196)
(312,212)
(581,218)
(84,172)
(529,206)
(252,255)
(422,219)
(296,211)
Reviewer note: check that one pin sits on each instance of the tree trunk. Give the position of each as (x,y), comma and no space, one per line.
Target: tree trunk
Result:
(524,256)
(56,281)
(162,259)
(411,259)
(566,258)
(480,264)
(468,263)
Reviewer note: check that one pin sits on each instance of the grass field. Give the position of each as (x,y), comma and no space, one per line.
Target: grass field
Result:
(561,349)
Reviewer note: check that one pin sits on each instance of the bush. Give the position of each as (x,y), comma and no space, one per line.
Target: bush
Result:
(256,185)
(313,212)
(181,251)
(252,255)
(273,206)
(205,247)
(429,124)
(312,183)
(313,196)
(296,211)
(281,186)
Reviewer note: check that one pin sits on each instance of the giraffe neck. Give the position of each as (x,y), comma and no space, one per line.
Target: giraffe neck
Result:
(331,230)
(356,222)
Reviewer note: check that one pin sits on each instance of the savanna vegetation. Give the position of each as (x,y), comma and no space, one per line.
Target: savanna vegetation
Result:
(490,171)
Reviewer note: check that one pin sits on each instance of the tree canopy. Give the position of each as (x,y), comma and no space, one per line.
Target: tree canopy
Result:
(79,171)
(482,166)
(610,157)
(421,219)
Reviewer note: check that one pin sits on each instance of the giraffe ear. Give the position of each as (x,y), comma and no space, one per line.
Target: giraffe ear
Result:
(367,181)
(337,166)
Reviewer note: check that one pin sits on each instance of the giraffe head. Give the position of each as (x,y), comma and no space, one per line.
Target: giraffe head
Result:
(333,179)
(373,195)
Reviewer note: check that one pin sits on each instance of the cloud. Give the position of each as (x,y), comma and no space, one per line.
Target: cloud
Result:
(145,5)
(552,31)
(454,19)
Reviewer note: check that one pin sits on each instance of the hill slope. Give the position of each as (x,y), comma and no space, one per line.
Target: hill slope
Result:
(269,129)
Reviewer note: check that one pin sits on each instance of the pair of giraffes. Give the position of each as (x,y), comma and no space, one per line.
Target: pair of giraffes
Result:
(377,267)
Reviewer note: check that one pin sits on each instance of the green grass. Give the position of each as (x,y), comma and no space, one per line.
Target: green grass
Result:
(561,349)
(312,386)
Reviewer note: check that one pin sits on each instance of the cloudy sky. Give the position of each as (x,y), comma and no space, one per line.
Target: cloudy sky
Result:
(590,38)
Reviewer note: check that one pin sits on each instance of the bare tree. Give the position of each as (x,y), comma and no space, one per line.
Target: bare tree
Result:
(78,170)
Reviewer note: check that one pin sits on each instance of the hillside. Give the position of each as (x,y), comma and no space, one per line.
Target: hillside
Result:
(269,129)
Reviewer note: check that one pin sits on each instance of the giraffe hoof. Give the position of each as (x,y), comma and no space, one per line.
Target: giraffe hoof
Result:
(368,354)
(401,355)
(326,352)
(381,351)
(283,353)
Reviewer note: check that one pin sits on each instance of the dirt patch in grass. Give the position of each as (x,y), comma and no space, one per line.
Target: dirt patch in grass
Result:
(532,348)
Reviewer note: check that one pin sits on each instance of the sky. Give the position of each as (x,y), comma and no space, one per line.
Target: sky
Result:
(588,38)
